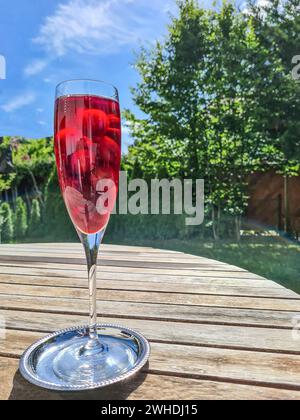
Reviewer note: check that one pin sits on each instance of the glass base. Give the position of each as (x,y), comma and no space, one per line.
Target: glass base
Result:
(61,361)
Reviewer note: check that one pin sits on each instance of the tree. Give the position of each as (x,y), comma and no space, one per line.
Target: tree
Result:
(213,93)
(277,26)
(35,218)
(1,223)
(7,174)
(7,229)
(170,94)
(240,86)
(20,219)
(33,161)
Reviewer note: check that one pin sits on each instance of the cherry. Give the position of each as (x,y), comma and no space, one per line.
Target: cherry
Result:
(81,162)
(114,121)
(95,122)
(109,151)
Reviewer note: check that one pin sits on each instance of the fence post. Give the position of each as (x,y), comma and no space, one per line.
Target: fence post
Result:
(279,213)
(286,204)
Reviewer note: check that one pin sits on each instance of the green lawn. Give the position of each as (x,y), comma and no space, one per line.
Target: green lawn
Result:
(274,258)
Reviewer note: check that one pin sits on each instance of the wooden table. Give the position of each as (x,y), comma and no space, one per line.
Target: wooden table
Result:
(216,331)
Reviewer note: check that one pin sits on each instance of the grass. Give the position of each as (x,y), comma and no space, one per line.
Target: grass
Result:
(272,257)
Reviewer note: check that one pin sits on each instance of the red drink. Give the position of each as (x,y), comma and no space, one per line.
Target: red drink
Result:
(88,152)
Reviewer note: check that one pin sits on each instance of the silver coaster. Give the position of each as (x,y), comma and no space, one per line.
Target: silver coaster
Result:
(55,362)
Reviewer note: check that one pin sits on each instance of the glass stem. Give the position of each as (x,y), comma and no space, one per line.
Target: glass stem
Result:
(91,243)
(92,272)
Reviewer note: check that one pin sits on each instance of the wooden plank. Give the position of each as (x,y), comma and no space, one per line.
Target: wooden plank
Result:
(117,262)
(174,313)
(203,287)
(205,335)
(79,253)
(77,246)
(18,252)
(156,297)
(22,319)
(265,369)
(141,387)
(274,370)
(106,250)
(125,273)
(115,249)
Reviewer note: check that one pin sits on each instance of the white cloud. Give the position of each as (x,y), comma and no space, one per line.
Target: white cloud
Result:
(19,102)
(101,27)
(35,67)
(262,4)
(125,129)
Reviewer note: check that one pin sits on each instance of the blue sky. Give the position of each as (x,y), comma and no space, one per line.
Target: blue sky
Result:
(47,41)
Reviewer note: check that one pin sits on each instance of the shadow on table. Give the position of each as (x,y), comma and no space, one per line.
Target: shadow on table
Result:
(23,390)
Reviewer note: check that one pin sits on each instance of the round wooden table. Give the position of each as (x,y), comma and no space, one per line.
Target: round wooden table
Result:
(216,331)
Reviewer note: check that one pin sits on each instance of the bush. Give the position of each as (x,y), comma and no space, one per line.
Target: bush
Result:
(7,227)
(35,219)
(21,224)
(151,227)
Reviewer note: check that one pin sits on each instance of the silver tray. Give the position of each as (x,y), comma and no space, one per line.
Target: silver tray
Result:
(37,362)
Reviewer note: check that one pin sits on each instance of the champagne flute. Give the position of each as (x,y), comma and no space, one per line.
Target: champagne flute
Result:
(87,144)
